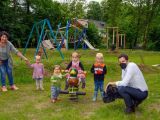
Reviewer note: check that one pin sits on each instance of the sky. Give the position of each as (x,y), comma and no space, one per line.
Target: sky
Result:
(94,0)
(87,0)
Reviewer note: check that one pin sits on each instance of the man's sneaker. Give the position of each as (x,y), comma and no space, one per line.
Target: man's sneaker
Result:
(136,103)
(129,110)
(13,87)
(4,89)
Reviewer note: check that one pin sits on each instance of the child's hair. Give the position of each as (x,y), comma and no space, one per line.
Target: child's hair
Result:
(57,66)
(76,54)
(38,57)
(100,55)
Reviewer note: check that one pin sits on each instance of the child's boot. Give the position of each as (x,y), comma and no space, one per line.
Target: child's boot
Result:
(102,95)
(67,85)
(41,85)
(83,83)
(37,84)
(95,96)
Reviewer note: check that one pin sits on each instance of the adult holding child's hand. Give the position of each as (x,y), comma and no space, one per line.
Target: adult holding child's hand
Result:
(6,47)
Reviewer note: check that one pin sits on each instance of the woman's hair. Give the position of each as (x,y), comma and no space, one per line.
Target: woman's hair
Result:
(76,54)
(4,33)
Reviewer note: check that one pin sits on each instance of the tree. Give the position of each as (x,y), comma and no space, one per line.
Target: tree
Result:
(94,11)
(152,10)
(113,11)
(77,9)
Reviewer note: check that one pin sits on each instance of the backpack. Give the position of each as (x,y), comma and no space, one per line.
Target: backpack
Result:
(110,94)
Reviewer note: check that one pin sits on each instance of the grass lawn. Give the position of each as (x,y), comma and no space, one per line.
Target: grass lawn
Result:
(29,104)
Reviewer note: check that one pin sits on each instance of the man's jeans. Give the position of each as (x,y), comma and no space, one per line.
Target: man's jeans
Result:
(5,69)
(131,95)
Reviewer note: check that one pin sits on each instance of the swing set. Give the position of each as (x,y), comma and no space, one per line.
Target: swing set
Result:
(41,32)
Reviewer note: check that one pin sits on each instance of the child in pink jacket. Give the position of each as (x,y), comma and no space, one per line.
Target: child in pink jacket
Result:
(38,72)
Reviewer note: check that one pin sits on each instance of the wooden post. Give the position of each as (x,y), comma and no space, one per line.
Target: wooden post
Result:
(107,38)
(113,37)
(121,40)
(124,41)
(117,38)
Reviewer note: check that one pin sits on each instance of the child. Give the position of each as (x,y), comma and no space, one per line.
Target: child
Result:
(75,63)
(38,72)
(56,83)
(99,69)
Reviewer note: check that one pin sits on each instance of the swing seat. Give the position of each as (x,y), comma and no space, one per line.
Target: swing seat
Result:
(47,44)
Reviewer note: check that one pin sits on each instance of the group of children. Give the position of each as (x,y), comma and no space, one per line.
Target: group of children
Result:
(98,69)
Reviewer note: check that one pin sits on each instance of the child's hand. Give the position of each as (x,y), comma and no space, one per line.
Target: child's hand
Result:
(80,71)
(27,62)
(45,73)
(66,71)
(85,72)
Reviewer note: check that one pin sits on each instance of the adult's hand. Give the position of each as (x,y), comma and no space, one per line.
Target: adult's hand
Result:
(66,71)
(111,83)
(27,62)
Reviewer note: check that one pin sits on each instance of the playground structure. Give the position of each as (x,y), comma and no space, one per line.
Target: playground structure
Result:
(122,40)
(79,36)
(39,28)
(118,39)
(47,38)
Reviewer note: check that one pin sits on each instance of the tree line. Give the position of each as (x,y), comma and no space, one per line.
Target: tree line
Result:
(138,19)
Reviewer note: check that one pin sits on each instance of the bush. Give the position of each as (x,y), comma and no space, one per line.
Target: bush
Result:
(93,36)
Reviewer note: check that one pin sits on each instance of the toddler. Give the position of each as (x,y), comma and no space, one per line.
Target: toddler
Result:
(38,72)
(56,79)
(99,70)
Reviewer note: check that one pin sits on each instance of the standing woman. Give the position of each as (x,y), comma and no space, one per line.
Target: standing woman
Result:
(6,47)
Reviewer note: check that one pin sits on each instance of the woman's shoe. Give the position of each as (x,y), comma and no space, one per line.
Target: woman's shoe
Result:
(4,89)
(13,87)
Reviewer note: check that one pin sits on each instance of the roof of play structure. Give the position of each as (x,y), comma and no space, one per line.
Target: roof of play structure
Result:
(99,24)
(82,22)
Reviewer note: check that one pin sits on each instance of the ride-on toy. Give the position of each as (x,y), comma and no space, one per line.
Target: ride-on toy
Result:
(73,89)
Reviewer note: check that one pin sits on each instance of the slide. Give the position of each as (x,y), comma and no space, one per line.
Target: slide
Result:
(89,45)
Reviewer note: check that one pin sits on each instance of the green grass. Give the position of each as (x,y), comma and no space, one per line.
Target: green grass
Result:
(29,104)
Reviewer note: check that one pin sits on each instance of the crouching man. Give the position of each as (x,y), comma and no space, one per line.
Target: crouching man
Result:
(132,88)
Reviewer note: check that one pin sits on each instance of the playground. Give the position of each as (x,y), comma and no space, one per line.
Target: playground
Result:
(47,38)
(29,104)
(57,55)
